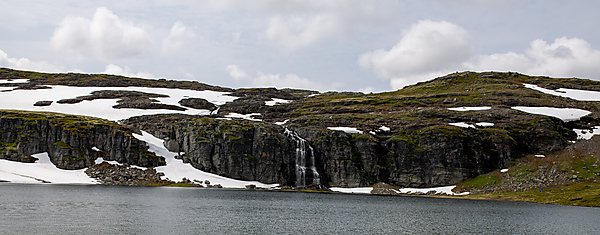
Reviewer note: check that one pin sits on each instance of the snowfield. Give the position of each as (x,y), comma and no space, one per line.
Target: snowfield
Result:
(581,95)
(275,101)
(367,190)
(346,129)
(102,108)
(583,134)
(176,170)
(565,114)
(42,171)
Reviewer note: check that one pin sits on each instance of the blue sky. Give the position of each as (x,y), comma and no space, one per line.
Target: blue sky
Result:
(321,45)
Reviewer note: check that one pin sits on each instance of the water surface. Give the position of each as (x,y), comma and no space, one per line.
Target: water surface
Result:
(96,209)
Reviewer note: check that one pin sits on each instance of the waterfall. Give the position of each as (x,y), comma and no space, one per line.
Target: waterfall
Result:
(301,161)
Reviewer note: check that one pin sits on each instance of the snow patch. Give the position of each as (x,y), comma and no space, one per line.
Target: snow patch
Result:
(102,108)
(462,124)
(282,123)
(565,114)
(583,134)
(484,124)
(438,190)
(176,170)
(540,156)
(244,116)
(42,171)
(384,128)
(362,190)
(95,149)
(504,170)
(2,81)
(470,108)
(346,129)
(367,190)
(275,101)
(581,95)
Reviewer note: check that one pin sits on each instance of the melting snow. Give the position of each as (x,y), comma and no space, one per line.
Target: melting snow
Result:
(282,123)
(384,128)
(566,114)
(362,190)
(540,156)
(346,129)
(437,190)
(14,81)
(484,124)
(469,108)
(462,124)
(275,101)
(244,116)
(575,94)
(504,170)
(41,171)
(102,108)
(176,170)
(583,134)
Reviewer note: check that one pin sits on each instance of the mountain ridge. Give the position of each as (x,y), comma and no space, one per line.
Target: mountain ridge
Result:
(412,137)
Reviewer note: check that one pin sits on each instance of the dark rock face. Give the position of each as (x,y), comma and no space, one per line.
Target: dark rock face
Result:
(246,105)
(197,103)
(144,103)
(237,149)
(71,146)
(424,157)
(43,103)
(128,99)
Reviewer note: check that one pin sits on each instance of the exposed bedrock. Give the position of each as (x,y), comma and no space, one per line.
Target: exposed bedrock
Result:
(430,156)
(71,141)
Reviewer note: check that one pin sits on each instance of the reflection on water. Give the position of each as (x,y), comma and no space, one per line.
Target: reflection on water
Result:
(69,209)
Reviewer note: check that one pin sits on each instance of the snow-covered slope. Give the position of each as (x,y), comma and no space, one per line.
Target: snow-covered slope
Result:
(102,108)
(176,169)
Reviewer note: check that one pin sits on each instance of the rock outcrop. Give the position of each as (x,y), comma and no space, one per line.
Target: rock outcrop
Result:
(428,156)
(72,142)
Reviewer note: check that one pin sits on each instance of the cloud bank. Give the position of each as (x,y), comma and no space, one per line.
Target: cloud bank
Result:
(116,70)
(429,49)
(276,80)
(105,36)
(26,64)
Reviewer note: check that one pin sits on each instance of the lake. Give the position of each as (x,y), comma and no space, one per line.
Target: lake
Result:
(97,209)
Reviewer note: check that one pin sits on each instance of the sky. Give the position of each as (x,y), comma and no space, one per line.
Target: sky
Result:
(343,45)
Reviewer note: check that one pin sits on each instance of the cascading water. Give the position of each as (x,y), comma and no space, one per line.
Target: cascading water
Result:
(301,161)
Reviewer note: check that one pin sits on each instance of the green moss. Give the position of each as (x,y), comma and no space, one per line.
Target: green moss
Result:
(9,146)
(62,145)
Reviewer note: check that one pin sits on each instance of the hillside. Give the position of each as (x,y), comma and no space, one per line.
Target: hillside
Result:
(434,133)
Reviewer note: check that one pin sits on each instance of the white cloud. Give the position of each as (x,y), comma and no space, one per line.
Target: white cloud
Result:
(430,49)
(305,23)
(236,73)
(179,35)
(565,57)
(116,70)
(426,48)
(277,80)
(105,36)
(26,64)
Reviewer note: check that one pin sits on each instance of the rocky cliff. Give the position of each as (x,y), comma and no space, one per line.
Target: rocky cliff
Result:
(406,137)
(430,156)
(72,142)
